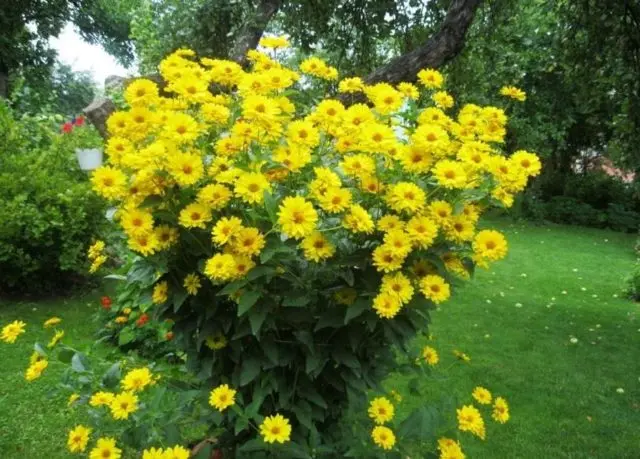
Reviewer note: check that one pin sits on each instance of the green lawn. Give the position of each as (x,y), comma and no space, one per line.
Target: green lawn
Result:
(515,321)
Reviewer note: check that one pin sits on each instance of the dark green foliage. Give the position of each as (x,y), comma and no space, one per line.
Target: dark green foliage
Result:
(48,216)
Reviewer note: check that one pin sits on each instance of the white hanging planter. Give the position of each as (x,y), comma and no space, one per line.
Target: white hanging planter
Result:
(89,158)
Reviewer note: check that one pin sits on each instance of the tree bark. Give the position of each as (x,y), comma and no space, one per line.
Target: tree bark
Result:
(436,51)
(254,28)
(4,81)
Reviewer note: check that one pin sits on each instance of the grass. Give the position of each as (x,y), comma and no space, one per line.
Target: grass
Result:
(515,321)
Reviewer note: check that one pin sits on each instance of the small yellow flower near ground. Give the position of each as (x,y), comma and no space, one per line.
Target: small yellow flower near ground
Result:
(275,428)
(513,93)
(383,437)
(137,379)
(123,404)
(72,399)
(461,356)
(153,453)
(106,449)
(101,399)
(482,395)
(381,410)
(121,319)
(177,452)
(450,449)
(51,322)
(192,283)
(11,332)
(160,291)
(500,410)
(56,338)
(78,439)
(430,355)
(434,288)
(222,397)
(36,369)
(470,420)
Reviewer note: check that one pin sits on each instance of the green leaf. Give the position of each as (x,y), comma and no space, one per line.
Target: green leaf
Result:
(252,445)
(112,377)
(178,299)
(79,362)
(296,300)
(65,355)
(40,350)
(232,287)
(303,413)
(332,318)
(314,363)
(126,336)
(260,271)
(346,358)
(241,424)
(257,316)
(247,300)
(421,424)
(249,371)
(271,206)
(270,349)
(357,308)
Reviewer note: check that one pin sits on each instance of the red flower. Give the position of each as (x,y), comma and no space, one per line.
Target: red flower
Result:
(79,121)
(144,318)
(67,127)
(169,336)
(106,302)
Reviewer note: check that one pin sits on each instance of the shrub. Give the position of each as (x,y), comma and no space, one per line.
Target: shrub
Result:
(298,248)
(48,216)
(632,283)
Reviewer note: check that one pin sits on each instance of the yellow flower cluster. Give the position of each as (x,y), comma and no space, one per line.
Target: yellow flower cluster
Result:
(392,176)
(11,331)
(470,419)
(381,410)
(96,256)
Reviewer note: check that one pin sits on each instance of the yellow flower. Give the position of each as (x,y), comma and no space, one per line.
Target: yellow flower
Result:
(101,399)
(160,292)
(106,449)
(470,420)
(461,356)
(390,222)
(513,93)
(248,242)
(441,212)
(351,85)
(251,186)
(95,250)
(141,92)
(56,338)
(303,133)
(121,319)
(53,321)
(387,305)
(490,245)
(381,410)
(137,379)
(383,437)
(72,399)
(192,283)
(398,242)
(450,449)
(225,229)
(36,369)
(97,262)
(358,220)
(430,78)
(434,288)
(222,397)
(165,236)
(195,215)
(220,267)
(215,195)
(185,168)
(406,196)
(528,162)
(153,453)
(123,404)
(482,395)
(316,247)
(442,99)
(346,296)
(78,439)
(335,200)
(430,355)
(216,342)
(275,428)
(181,128)
(399,285)
(109,182)
(450,174)
(500,410)
(11,332)
(387,259)
(274,42)
(421,231)
(297,217)
(409,90)
(177,452)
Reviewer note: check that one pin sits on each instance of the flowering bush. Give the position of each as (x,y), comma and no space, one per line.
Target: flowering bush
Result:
(297,244)
(78,134)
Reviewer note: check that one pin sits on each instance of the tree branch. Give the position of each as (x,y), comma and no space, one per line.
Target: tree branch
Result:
(253,29)
(436,51)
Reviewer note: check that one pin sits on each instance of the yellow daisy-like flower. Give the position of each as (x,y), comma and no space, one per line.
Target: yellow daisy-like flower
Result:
(528,162)
(160,292)
(222,397)
(109,182)
(387,259)
(185,168)
(409,90)
(450,449)
(165,236)
(406,196)
(248,242)
(275,429)
(101,399)
(192,283)
(72,399)
(225,229)
(106,449)
(387,305)
(470,420)
(55,339)
(399,285)
(177,452)
(490,245)
(137,379)
(78,439)
(381,410)
(358,220)
(500,410)
(215,195)
(53,321)
(297,217)
(442,99)
(316,247)
(220,267)
(513,93)
(351,85)
(141,92)
(36,369)
(390,222)
(195,215)
(421,231)
(482,395)
(430,355)
(251,186)
(430,78)
(216,342)
(123,404)
(153,453)
(441,212)
(435,288)
(383,437)
(11,331)
(335,200)
(450,174)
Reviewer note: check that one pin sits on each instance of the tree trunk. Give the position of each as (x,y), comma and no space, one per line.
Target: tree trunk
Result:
(4,81)
(436,51)
(254,28)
